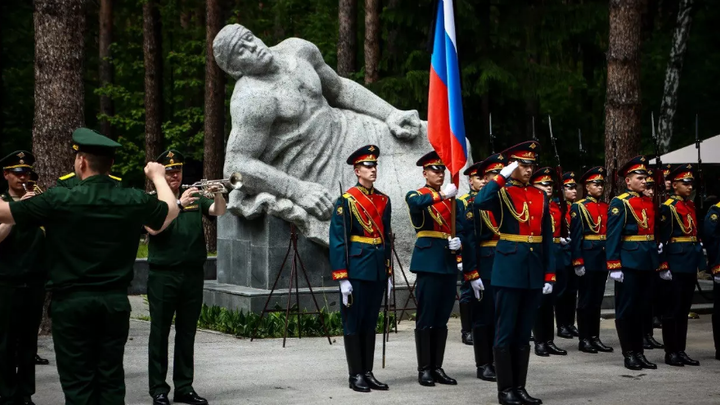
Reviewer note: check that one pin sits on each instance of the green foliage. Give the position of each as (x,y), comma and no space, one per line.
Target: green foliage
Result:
(272,325)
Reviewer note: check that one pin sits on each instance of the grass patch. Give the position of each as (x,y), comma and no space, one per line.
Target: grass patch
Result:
(240,324)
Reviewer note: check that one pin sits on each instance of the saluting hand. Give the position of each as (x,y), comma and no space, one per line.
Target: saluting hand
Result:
(27,195)
(154,170)
(189,197)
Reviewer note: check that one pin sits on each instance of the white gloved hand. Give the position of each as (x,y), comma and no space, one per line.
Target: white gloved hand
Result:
(449,191)
(660,248)
(547,289)
(716,279)
(460,267)
(345,289)
(477,286)
(617,275)
(564,241)
(454,243)
(390,288)
(579,271)
(508,170)
(666,275)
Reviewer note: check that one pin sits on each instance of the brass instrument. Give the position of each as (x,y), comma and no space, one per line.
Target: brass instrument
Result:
(35,188)
(209,188)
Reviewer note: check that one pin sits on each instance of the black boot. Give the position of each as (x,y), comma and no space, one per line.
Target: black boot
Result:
(593,321)
(552,349)
(673,359)
(681,339)
(438,339)
(649,340)
(631,362)
(586,346)
(521,360)
(483,358)
(564,332)
(466,323)
(573,330)
(644,361)
(422,348)
(687,360)
(541,349)
(369,360)
(599,345)
(40,361)
(504,371)
(353,353)
(656,322)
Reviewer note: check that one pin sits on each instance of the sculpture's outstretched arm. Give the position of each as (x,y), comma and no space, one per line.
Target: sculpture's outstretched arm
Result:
(252,119)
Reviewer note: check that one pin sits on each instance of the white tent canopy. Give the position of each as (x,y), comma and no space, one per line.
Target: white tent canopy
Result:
(709,150)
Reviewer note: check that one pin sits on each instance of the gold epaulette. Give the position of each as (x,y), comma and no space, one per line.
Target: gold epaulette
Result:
(114,177)
(67,176)
(623,196)
(347,196)
(669,202)
(580,201)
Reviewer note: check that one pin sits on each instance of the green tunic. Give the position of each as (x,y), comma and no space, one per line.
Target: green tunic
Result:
(70,180)
(175,291)
(21,252)
(92,235)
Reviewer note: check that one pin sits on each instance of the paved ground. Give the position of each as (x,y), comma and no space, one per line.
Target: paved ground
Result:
(309,371)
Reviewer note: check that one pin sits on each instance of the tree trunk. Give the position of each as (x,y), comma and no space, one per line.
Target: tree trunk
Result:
(152,48)
(59,90)
(106,65)
(672,74)
(622,102)
(213,156)
(372,41)
(347,37)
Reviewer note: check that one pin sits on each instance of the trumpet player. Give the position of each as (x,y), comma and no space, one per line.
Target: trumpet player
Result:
(22,278)
(175,284)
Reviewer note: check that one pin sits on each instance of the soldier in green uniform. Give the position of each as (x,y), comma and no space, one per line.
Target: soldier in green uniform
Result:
(683,257)
(177,256)
(711,239)
(360,232)
(22,278)
(484,237)
(436,259)
(91,236)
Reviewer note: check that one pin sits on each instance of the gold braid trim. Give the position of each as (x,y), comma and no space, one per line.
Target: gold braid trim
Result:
(486,218)
(643,223)
(524,216)
(688,230)
(367,225)
(594,227)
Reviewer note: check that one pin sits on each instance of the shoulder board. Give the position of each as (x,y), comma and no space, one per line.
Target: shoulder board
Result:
(669,201)
(582,201)
(347,196)
(67,176)
(464,197)
(717,205)
(623,196)
(114,177)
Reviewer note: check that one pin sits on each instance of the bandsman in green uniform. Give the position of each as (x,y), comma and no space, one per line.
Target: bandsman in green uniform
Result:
(91,234)
(22,279)
(177,257)
(683,256)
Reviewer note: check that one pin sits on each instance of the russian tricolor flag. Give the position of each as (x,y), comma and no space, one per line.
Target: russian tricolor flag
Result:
(446,128)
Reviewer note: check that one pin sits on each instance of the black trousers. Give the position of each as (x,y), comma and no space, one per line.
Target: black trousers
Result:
(632,301)
(544,328)
(567,294)
(675,321)
(590,292)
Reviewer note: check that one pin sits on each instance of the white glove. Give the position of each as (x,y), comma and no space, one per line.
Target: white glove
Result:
(716,279)
(617,275)
(345,289)
(390,288)
(449,191)
(660,248)
(477,286)
(508,170)
(547,289)
(579,271)
(666,275)
(564,241)
(460,267)
(454,243)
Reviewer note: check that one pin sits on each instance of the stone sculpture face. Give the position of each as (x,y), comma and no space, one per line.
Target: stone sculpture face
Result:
(242,52)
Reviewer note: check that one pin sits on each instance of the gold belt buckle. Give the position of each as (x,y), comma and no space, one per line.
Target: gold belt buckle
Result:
(530,239)
(647,237)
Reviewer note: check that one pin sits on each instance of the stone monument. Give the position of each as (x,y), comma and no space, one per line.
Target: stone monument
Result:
(294,122)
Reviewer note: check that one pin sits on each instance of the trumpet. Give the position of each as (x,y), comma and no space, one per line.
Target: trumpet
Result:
(211,187)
